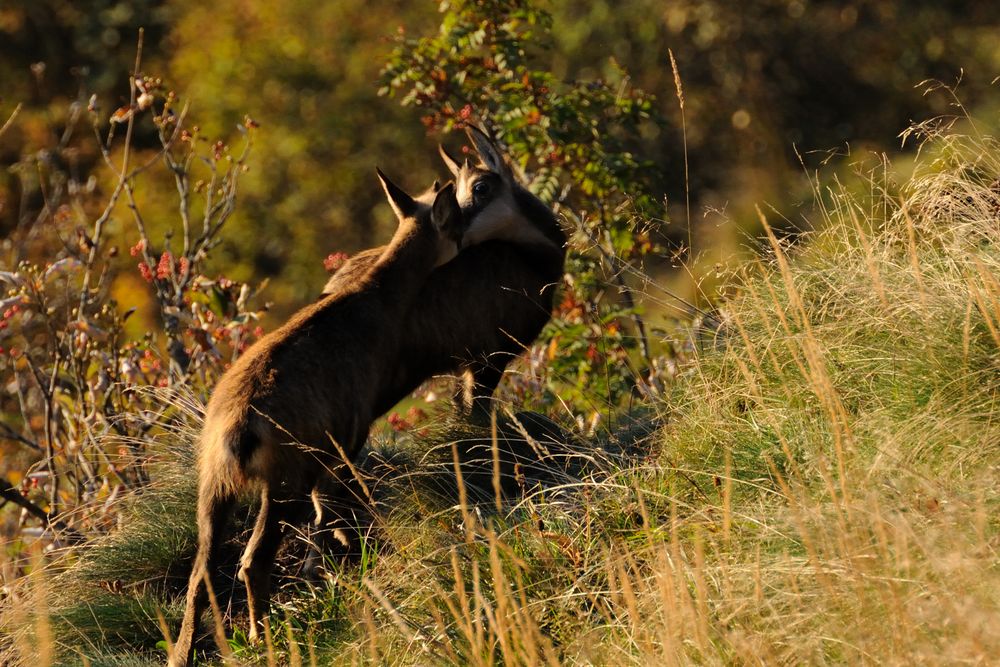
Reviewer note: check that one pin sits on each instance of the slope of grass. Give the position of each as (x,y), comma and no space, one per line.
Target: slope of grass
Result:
(824,488)
(822,485)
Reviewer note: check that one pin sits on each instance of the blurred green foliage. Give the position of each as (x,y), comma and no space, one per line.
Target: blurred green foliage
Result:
(759,78)
(763,75)
(338,88)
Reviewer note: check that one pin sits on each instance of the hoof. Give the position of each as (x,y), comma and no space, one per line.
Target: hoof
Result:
(255,635)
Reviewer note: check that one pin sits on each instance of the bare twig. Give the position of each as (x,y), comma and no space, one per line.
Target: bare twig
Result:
(50,448)
(10,434)
(10,120)
(11,494)
(123,176)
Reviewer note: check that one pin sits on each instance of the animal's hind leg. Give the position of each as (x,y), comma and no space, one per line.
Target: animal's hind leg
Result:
(213,510)
(258,557)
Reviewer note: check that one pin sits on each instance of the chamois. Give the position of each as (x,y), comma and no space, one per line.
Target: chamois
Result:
(271,418)
(481,310)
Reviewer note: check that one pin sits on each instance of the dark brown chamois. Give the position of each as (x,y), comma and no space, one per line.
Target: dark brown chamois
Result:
(275,415)
(481,310)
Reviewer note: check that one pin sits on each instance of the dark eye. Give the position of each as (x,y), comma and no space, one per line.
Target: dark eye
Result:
(480,189)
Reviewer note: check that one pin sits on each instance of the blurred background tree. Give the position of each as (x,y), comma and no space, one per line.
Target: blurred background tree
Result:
(760,79)
(833,80)
(587,99)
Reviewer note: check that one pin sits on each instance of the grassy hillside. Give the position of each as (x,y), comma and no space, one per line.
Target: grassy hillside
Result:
(821,484)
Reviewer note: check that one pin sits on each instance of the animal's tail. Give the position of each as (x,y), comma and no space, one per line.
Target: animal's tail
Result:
(216,494)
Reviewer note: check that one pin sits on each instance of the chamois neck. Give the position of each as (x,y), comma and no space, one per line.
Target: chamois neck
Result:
(408,258)
(542,216)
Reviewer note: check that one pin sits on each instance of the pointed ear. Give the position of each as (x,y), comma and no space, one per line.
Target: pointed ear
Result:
(436,185)
(445,212)
(402,203)
(449,161)
(488,151)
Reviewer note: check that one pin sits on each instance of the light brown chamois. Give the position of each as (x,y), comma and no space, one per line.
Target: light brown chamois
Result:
(478,312)
(271,418)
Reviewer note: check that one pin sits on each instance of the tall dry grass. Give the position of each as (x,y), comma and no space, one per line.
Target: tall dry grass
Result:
(820,486)
(824,488)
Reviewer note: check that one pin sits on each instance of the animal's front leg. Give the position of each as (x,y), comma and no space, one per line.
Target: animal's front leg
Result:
(341,499)
(479,381)
(333,531)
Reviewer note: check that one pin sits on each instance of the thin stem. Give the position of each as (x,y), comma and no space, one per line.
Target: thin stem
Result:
(10,120)
(10,434)
(50,448)
(9,493)
(122,178)
(687,180)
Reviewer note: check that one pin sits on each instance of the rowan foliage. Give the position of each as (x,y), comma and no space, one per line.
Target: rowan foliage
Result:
(577,145)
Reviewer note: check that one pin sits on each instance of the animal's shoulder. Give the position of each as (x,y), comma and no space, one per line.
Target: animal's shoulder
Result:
(353,272)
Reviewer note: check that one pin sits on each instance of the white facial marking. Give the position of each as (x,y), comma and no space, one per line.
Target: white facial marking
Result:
(463,190)
(503,221)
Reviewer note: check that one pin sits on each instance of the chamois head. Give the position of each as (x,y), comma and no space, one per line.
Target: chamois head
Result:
(435,211)
(494,203)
